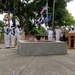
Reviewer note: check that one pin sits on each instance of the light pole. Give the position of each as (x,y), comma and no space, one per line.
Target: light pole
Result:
(53,14)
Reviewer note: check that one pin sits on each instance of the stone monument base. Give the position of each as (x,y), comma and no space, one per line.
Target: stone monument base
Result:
(41,48)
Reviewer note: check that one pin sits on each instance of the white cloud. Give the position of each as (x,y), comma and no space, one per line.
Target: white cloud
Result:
(71,7)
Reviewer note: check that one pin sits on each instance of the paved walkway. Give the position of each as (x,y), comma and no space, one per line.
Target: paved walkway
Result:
(11,62)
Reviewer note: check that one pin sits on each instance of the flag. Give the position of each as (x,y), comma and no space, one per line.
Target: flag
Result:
(44,8)
(40,19)
(8,16)
(47,19)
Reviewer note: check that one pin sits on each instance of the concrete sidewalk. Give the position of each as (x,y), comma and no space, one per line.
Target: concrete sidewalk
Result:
(11,61)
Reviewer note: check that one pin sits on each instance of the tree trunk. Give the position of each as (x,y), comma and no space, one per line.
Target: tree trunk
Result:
(21,21)
(27,26)
(19,14)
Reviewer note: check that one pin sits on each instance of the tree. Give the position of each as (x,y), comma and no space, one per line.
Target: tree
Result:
(69,20)
(25,10)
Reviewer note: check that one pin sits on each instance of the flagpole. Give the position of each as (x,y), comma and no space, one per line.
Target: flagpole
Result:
(47,12)
(53,14)
(8,17)
(14,23)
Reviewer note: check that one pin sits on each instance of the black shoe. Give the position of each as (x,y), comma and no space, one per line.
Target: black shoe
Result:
(7,47)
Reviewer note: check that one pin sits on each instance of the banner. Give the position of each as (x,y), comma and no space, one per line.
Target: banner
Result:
(47,19)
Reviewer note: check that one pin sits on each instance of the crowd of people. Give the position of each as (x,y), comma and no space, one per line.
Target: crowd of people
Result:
(58,33)
(11,35)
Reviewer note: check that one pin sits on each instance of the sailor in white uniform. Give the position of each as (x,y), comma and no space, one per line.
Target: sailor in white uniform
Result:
(18,32)
(58,33)
(12,36)
(72,30)
(6,36)
(50,34)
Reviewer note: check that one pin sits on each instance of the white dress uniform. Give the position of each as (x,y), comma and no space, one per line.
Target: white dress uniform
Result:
(50,35)
(16,33)
(20,31)
(58,33)
(6,36)
(12,36)
(72,31)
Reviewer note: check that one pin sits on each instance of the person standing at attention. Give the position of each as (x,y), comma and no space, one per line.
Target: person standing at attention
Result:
(50,33)
(18,32)
(58,33)
(6,36)
(12,36)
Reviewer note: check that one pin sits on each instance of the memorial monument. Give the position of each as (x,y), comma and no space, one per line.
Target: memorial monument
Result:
(41,47)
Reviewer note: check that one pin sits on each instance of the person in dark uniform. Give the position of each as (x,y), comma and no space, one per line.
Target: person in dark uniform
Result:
(64,35)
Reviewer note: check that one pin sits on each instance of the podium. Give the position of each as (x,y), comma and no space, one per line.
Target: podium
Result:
(71,40)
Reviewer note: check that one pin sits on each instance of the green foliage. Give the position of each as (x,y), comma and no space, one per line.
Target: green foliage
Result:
(1,37)
(35,31)
(68,0)
(2,24)
(70,19)
(62,17)
(40,30)
(43,30)
(25,11)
